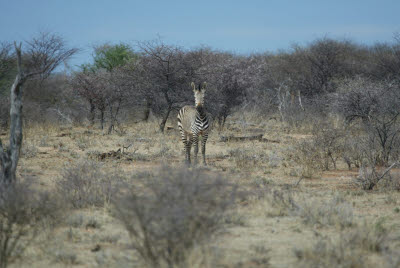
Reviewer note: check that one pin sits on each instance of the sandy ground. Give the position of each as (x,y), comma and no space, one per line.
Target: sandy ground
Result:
(49,149)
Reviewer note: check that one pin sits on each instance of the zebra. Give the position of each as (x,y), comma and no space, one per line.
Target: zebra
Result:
(193,122)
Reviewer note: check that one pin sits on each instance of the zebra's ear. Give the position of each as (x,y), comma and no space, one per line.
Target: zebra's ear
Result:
(204,86)
(193,86)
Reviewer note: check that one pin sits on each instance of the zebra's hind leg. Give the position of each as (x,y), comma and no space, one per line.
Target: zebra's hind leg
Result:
(203,147)
(186,145)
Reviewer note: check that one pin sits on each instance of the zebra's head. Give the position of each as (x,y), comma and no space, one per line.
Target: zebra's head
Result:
(199,93)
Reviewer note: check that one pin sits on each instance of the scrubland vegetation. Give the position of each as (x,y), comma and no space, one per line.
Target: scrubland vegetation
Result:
(303,159)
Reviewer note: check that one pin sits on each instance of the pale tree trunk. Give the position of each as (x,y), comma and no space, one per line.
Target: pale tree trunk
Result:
(282,103)
(300,103)
(52,53)
(9,157)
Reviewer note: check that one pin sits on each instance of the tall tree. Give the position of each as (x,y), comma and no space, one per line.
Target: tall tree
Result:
(167,78)
(100,82)
(109,57)
(43,55)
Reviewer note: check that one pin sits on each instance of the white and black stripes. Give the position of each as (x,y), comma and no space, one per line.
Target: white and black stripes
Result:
(201,121)
(193,123)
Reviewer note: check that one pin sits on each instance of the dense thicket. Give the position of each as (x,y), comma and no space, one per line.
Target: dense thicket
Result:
(126,82)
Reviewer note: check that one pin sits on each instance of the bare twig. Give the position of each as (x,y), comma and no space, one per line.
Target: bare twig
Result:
(66,117)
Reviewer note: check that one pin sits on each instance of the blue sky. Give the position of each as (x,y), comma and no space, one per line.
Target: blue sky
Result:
(239,26)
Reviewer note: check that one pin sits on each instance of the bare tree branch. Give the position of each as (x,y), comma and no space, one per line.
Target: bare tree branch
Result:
(44,55)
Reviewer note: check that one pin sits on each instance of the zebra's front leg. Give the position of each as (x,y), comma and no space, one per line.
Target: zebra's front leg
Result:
(203,148)
(195,148)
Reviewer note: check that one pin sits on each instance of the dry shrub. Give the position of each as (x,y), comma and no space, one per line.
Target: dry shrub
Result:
(373,237)
(281,201)
(327,253)
(392,182)
(259,257)
(85,183)
(353,152)
(247,159)
(4,112)
(65,256)
(29,150)
(24,214)
(322,151)
(351,249)
(371,176)
(328,142)
(309,159)
(334,212)
(392,258)
(173,212)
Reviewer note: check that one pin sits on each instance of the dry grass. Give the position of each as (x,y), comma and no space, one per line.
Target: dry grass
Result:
(85,183)
(336,211)
(170,213)
(269,220)
(363,246)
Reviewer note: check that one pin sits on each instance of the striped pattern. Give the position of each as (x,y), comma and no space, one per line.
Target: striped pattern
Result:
(193,123)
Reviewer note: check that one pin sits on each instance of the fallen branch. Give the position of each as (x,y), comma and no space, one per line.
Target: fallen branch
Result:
(241,138)
(65,117)
(369,181)
(258,137)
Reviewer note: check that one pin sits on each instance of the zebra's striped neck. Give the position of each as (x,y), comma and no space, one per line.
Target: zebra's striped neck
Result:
(200,109)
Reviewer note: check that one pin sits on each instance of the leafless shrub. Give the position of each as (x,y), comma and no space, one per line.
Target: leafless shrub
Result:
(261,182)
(24,214)
(334,212)
(349,250)
(293,115)
(320,152)
(7,62)
(66,257)
(327,253)
(259,258)
(85,183)
(170,214)
(281,201)
(75,220)
(328,141)
(370,176)
(247,159)
(374,106)
(373,237)
(392,182)
(4,112)
(308,158)
(274,160)
(353,152)
(314,69)
(83,142)
(392,258)
(29,150)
